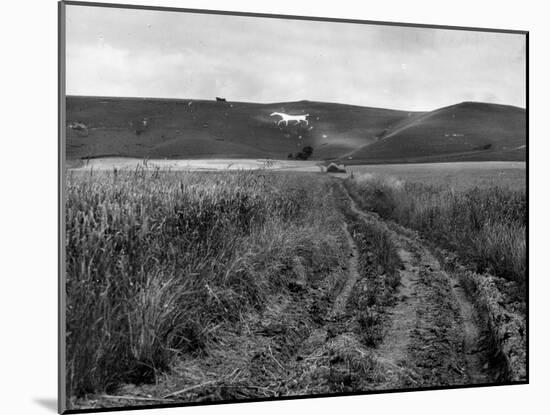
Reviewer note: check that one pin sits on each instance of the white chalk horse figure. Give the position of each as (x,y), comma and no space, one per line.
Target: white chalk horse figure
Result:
(287,117)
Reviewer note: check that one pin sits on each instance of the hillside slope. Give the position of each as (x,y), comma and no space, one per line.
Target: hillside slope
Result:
(466,131)
(173,128)
(163,128)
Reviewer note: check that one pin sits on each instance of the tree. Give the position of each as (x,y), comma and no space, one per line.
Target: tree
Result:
(306,153)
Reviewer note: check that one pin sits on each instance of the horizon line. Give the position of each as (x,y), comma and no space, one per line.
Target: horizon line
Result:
(287,102)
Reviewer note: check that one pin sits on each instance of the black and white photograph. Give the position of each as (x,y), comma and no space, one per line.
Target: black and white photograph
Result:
(263,207)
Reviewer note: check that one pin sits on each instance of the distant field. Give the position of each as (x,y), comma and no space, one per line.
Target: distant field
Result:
(458,176)
(214,164)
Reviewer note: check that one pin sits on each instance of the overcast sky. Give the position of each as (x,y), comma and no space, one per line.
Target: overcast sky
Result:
(123,52)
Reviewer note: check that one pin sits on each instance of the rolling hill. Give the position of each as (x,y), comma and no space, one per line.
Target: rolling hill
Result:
(466,131)
(173,128)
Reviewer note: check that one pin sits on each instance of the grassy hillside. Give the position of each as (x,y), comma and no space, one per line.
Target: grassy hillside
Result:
(199,129)
(170,128)
(469,131)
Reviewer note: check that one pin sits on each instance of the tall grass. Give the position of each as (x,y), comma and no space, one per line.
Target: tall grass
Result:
(156,262)
(486,227)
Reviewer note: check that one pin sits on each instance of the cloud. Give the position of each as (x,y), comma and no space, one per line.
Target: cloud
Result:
(182,55)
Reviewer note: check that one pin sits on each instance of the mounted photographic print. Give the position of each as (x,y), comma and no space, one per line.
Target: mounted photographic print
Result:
(258,207)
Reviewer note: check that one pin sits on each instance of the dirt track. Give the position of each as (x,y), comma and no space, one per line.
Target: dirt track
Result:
(433,319)
(432,336)
(352,277)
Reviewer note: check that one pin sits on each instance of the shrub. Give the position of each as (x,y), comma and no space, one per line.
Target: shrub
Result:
(305,154)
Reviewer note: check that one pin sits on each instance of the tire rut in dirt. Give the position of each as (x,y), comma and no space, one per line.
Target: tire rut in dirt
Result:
(352,277)
(332,359)
(434,339)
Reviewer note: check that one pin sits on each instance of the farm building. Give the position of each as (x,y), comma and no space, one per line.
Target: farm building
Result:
(335,168)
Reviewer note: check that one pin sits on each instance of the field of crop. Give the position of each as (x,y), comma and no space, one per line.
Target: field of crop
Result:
(157,262)
(456,176)
(477,210)
(244,284)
